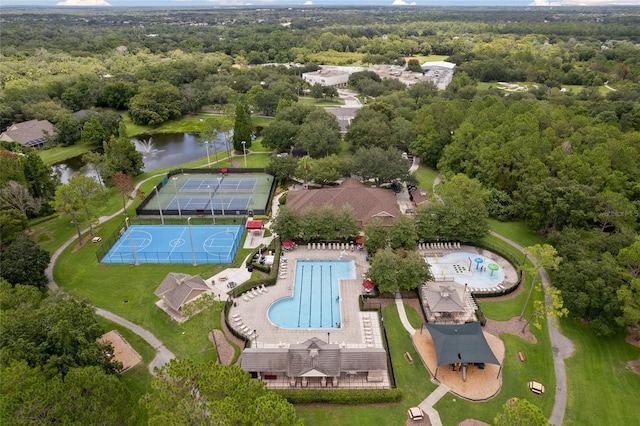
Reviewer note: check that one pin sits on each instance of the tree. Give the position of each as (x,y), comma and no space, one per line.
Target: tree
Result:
(317,91)
(24,262)
(121,156)
(520,412)
(13,223)
(403,234)
(461,216)
(629,297)
(242,128)
(208,394)
(326,170)
(552,305)
(155,104)
(383,166)
(67,129)
(97,162)
(17,197)
(319,135)
(397,270)
(86,396)
(40,179)
(376,236)
(422,91)
(91,193)
(279,135)
(54,331)
(370,128)
(126,186)
(282,168)
(68,200)
(543,256)
(287,223)
(93,133)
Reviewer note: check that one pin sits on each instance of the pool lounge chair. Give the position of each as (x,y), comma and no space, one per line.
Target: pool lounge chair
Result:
(245,298)
(264,289)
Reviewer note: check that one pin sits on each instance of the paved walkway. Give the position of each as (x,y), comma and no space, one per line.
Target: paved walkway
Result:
(430,401)
(561,347)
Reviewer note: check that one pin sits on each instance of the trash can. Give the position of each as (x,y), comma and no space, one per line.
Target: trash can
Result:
(250,268)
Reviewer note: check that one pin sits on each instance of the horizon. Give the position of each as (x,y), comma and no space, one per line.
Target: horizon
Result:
(186,4)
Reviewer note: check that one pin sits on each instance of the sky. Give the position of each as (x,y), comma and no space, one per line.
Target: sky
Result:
(214,3)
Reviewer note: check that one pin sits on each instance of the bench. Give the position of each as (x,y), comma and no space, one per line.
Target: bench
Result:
(408,357)
(521,357)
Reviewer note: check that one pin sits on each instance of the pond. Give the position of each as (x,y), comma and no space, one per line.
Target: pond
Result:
(158,151)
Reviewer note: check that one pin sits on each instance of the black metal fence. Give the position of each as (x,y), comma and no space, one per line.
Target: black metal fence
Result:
(145,210)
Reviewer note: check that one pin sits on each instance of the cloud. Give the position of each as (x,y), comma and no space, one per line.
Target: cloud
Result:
(83,3)
(584,3)
(308,3)
(402,3)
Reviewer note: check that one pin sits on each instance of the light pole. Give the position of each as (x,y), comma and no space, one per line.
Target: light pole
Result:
(175,186)
(193,253)
(213,216)
(244,150)
(221,199)
(133,247)
(206,144)
(255,337)
(159,205)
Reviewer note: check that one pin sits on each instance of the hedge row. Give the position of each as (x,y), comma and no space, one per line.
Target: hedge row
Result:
(340,396)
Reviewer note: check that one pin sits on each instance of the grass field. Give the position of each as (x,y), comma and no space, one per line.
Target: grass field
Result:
(601,389)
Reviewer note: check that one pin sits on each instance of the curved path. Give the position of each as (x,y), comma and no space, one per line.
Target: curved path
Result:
(561,346)
(163,355)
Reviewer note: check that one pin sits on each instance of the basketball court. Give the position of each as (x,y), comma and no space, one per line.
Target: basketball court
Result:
(195,244)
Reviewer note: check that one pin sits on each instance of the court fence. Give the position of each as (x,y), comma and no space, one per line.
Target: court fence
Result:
(145,210)
(108,242)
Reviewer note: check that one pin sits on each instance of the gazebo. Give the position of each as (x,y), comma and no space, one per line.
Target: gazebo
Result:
(444,302)
(460,344)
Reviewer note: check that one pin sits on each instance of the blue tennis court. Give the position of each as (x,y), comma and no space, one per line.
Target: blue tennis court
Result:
(224,184)
(176,244)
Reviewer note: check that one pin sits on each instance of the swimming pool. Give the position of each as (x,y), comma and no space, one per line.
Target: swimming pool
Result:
(466,268)
(316,295)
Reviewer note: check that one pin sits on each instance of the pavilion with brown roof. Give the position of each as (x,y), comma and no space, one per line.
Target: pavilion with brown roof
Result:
(367,202)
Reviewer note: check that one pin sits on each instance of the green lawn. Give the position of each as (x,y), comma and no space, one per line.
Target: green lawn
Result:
(601,389)
(323,103)
(516,231)
(426,176)
(61,153)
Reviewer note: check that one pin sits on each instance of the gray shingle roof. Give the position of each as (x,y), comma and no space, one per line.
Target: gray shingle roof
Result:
(28,133)
(177,289)
(313,358)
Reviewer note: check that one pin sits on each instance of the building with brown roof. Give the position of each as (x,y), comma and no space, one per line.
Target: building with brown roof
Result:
(367,202)
(32,133)
(176,290)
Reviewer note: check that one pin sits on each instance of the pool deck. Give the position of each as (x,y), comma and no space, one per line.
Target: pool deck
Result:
(357,329)
(510,274)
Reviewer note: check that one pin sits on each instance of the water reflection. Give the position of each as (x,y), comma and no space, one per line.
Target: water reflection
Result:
(158,151)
